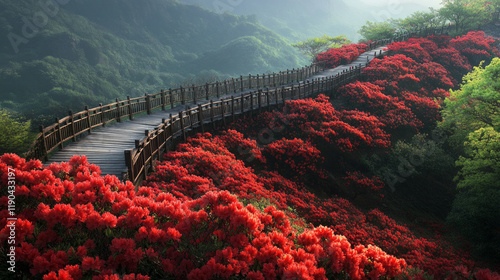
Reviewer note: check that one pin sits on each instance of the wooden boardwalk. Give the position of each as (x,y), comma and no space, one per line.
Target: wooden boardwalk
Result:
(106,145)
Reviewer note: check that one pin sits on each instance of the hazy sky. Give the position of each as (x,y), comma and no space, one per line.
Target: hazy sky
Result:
(394,3)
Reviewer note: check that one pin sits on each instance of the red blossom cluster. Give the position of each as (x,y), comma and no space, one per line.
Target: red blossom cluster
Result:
(295,158)
(475,46)
(404,89)
(317,121)
(338,56)
(344,218)
(113,231)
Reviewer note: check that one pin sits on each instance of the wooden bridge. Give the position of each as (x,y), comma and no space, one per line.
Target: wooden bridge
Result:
(125,137)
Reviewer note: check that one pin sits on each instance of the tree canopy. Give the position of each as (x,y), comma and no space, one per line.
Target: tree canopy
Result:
(311,47)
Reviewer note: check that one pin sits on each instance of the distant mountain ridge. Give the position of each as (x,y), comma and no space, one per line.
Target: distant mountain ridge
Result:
(85,52)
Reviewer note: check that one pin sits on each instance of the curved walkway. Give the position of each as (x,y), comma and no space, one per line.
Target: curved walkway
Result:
(105,146)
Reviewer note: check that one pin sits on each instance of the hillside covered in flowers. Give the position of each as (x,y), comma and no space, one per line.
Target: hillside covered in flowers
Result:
(309,190)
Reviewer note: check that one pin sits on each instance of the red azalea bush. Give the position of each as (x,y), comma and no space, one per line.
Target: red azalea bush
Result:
(368,97)
(113,231)
(194,217)
(295,158)
(338,56)
(317,121)
(410,49)
(475,46)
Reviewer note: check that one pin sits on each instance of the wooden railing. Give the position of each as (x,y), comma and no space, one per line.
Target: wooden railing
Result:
(206,116)
(75,125)
(72,126)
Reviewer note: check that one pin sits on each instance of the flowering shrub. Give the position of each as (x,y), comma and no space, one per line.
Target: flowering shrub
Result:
(343,55)
(391,111)
(317,121)
(194,217)
(113,231)
(295,158)
(475,46)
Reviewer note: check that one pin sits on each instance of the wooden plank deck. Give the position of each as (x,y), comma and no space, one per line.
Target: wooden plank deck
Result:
(105,146)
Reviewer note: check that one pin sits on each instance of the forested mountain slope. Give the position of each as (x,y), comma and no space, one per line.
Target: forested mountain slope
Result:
(90,52)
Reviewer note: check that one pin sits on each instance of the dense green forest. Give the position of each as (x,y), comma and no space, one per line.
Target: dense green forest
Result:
(60,57)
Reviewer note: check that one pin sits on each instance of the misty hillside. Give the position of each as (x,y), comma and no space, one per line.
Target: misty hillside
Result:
(90,52)
(292,18)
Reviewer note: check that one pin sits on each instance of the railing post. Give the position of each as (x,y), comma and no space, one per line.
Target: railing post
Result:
(148,103)
(218,89)
(128,163)
(162,94)
(258,83)
(241,83)
(72,121)
(234,85)
(212,114)
(118,111)
(225,87)
(181,120)
(149,152)
(183,96)
(267,98)
(171,96)
(59,134)
(242,101)
(103,121)
(89,121)
(200,118)
(194,94)
(276,96)
(283,94)
(299,90)
(232,106)
(251,103)
(222,112)
(259,100)
(206,91)
(130,111)
(249,80)
(44,146)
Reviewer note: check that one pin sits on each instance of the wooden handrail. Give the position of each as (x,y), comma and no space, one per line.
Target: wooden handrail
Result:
(139,159)
(70,127)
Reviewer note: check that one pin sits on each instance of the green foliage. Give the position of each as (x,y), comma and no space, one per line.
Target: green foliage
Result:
(421,156)
(475,209)
(480,168)
(15,135)
(373,31)
(465,13)
(311,47)
(92,52)
(420,19)
(476,104)
(472,115)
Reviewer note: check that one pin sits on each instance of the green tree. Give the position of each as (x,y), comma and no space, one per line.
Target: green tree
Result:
(421,19)
(373,31)
(14,133)
(475,212)
(465,14)
(476,104)
(311,47)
